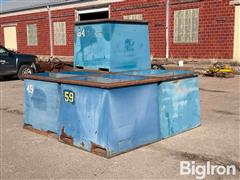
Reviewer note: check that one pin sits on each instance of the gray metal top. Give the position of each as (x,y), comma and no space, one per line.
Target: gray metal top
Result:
(20,5)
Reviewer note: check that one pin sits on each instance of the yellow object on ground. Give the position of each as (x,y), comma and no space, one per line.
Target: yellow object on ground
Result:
(220,70)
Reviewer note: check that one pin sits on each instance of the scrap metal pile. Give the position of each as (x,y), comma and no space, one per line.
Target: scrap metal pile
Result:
(54,64)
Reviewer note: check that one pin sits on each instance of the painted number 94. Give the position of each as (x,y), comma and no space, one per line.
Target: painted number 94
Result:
(69,97)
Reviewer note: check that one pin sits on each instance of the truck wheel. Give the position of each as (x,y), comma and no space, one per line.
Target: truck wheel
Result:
(24,70)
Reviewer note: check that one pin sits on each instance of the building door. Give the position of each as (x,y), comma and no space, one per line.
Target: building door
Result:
(10,37)
(237,34)
(92,14)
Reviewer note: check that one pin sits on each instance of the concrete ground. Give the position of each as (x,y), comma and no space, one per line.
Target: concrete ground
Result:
(26,155)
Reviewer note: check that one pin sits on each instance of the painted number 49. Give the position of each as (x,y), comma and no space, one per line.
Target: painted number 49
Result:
(69,97)
(30,89)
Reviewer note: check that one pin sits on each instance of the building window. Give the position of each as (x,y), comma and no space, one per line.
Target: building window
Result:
(59,33)
(32,39)
(186,26)
(92,14)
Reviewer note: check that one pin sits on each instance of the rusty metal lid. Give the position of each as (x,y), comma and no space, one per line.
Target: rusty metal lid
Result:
(103,80)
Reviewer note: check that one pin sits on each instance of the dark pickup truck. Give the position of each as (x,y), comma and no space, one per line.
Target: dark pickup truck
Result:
(12,63)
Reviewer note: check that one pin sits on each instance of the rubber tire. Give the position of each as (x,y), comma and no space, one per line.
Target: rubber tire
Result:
(21,69)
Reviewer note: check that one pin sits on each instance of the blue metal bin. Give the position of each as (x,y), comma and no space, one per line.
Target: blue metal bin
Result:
(41,104)
(105,120)
(112,45)
(178,101)
(109,121)
(109,114)
(42,100)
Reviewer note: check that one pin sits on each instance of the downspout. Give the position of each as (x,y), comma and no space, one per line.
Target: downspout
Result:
(167,32)
(109,11)
(50,30)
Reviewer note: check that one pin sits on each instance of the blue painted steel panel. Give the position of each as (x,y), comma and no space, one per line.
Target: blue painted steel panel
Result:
(178,101)
(117,120)
(41,105)
(179,106)
(113,46)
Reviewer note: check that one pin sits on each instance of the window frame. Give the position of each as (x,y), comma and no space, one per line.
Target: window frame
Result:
(57,42)
(28,35)
(184,20)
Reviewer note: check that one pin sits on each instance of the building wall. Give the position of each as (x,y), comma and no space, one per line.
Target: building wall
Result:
(216,30)
(41,19)
(68,16)
(153,11)
(216,27)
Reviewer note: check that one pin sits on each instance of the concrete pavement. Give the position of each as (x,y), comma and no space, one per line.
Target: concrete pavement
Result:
(26,155)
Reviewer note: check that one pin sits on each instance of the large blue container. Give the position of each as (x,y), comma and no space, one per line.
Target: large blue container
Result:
(112,45)
(42,100)
(178,101)
(109,121)
(41,105)
(109,114)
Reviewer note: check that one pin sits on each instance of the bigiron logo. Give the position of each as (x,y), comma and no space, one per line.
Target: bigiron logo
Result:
(208,169)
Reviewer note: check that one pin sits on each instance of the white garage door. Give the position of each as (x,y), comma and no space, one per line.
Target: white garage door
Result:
(10,37)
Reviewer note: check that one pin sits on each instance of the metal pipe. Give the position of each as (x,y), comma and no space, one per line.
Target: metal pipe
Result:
(50,30)
(167,32)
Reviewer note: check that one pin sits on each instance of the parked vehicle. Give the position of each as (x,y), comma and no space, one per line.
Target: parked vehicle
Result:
(13,63)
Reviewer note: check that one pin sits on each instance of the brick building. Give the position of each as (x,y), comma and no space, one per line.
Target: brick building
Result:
(179,29)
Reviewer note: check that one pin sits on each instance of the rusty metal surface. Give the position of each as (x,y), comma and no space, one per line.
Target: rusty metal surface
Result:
(96,149)
(65,138)
(54,65)
(41,132)
(148,80)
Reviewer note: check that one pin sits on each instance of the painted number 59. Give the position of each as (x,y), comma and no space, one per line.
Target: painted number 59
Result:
(69,97)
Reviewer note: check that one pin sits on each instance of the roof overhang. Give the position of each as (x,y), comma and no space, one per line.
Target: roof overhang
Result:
(235,2)
(59,6)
